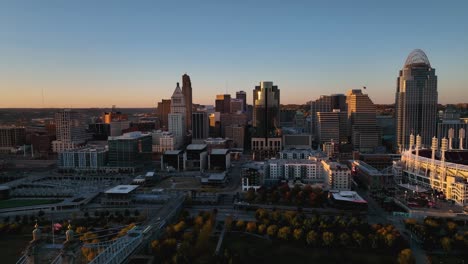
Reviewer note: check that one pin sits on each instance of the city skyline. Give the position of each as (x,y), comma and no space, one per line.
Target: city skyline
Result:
(132,55)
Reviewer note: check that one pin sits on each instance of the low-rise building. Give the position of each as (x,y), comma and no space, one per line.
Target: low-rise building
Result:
(173,160)
(252,175)
(336,175)
(370,177)
(196,157)
(120,195)
(219,160)
(85,159)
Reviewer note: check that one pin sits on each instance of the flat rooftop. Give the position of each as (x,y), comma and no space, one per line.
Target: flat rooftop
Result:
(121,189)
(219,151)
(129,136)
(196,147)
(173,152)
(348,196)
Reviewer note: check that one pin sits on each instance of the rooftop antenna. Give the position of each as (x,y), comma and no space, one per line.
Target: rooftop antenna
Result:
(42,97)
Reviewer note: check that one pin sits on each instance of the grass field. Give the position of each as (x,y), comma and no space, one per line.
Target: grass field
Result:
(12,203)
(250,249)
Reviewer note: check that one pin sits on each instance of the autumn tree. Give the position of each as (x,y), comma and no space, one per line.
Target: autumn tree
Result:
(261,229)
(328,238)
(272,230)
(344,239)
(446,243)
(405,257)
(358,238)
(240,225)
(297,234)
(312,238)
(284,232)
(251,227)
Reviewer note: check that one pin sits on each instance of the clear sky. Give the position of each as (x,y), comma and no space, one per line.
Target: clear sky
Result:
(91,53)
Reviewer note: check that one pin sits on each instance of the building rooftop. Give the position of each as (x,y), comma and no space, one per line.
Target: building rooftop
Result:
(173,152)
(196,147)
(129,136)
(121,189)
(348,196)
(417,56)
(87,149)
(219,151)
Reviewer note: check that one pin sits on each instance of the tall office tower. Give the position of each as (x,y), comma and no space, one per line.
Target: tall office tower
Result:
(362,121)
(416,100)
(223,103)
(164,109)
(243,96)
(71,130)
(266,112)
(200,125)
(187,91)
(326,103)
(176,118)
(332,126)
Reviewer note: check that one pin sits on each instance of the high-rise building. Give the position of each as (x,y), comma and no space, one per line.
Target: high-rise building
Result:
(243,96)
(266,113)
(200,125)
(237,105)
(164,109)
(236,133)
(223,103)
(363,129)
(177,116)
(332,126)
(266,139)
(71,130)
(416,100)
(326,103)
(187,91)
(11,136)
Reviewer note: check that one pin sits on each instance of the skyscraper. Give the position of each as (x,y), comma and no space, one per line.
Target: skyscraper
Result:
(223,103)
(177,116)
(266,112)
(416,100)
(164,108)
(200,123)
(243,96)
(187,91)
(326,103)
(363,129)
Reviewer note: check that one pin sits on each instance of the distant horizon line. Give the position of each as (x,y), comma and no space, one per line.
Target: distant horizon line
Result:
(148,107)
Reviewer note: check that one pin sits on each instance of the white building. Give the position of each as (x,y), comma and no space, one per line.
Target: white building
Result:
(83,159)
(71,130)
(162,141)
(301,154)
(336,175)
(443,170)
(176,119)
(294,171)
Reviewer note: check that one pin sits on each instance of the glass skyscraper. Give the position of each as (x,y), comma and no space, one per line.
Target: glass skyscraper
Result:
(416,100)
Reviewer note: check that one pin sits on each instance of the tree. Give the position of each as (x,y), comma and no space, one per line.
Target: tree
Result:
(179,227)
(155,246)
(297,233)
(251,227)
(261,214)
(272,230)
(344,239)
(198,222)
(228,223)
(451,227)
(261,229)
(405,257)
(389,240)
(250,195)
(284,232)
(240,225)
(312,238)
(328,238)
(446,243)
(358,238)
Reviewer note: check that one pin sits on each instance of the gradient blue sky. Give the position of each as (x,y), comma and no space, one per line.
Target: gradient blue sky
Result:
(131,53)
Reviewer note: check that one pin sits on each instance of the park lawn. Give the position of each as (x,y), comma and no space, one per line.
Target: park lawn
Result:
(249,249)
(12,203)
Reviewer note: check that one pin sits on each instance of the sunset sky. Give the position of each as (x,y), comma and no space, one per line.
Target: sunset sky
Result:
(132,53)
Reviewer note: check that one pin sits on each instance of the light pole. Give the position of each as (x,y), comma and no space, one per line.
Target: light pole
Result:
(406,192)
